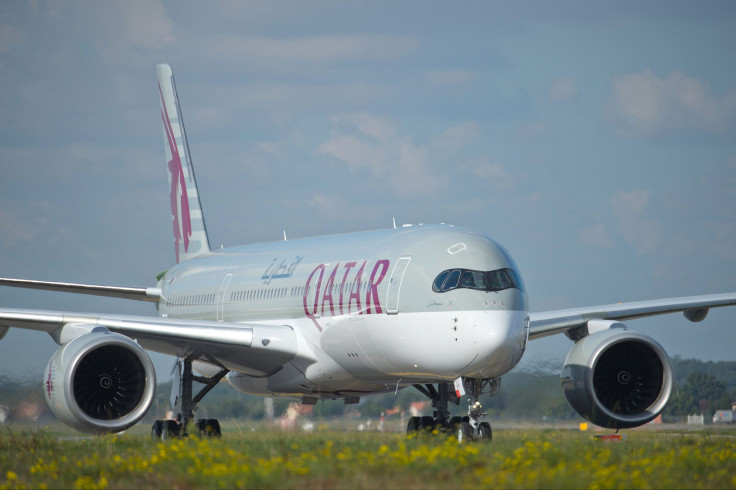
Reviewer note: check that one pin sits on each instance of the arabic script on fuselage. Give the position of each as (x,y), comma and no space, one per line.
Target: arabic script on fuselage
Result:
(280,270)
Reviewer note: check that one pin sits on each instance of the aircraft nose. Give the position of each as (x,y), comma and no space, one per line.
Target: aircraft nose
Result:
(500,342)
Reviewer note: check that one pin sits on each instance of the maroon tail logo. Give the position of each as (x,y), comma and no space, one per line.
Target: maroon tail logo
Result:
(183,224)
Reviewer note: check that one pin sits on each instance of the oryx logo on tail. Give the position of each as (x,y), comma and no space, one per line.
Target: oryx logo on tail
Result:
(190,232)
(178,197)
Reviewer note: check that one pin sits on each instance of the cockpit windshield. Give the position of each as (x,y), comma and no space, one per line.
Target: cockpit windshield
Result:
(497,280)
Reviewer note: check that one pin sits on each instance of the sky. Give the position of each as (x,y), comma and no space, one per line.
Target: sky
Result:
(595,140)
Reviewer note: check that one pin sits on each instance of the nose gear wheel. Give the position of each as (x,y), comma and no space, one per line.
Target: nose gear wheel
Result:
(468,428)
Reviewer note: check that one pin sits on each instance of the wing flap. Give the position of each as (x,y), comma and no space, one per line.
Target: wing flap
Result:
(547,323)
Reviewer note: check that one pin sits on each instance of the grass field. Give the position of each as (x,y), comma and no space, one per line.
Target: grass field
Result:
(548,458)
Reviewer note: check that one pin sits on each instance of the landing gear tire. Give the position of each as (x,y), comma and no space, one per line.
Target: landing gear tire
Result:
(165,429)
(413,425)
(484,431)
(464,433)
(427,423)
(209,428)
(170,429)
(420,424)
(157,429)
(467,428)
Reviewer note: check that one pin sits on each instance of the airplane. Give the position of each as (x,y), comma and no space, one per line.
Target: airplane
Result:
(440,308)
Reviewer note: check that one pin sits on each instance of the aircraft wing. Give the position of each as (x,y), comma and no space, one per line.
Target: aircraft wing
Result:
(253,348)
(695,309)
(140,294)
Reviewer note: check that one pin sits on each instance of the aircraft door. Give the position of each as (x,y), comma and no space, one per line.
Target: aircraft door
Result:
(221,297)
(394,285)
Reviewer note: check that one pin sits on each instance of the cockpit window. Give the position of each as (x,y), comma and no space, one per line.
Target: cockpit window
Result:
(452,280)
(516,277)
(500,280)
(497,280)
(439,281)
(473,280)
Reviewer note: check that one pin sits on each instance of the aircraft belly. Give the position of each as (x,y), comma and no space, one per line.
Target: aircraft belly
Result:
(289,381)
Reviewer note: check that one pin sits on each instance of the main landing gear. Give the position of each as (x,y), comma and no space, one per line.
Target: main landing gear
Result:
(467,428)
(166,429)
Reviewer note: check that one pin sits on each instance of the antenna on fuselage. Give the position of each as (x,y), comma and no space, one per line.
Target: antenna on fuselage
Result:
(394,219)
(285,235)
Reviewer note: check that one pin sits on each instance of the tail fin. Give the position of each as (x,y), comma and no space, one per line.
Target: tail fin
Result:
(190,233)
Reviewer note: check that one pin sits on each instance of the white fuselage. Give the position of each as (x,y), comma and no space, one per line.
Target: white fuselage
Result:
(362,308)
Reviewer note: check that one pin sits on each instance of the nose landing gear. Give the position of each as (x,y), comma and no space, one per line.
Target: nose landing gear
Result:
(473,429)
(467,428)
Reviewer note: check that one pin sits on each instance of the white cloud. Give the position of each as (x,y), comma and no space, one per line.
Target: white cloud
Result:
(317,49)
(457,137)
(723,244)
(355,152)
(494,173)
(55,164)
(407,169)
(26,225)
(280,101)
(449,77)
(638,231)
(646,104)
(563,89)
(365,141)
(376,127)
(9,37)
(145,23)
(325,201)
(334,207)
(632,203)
(596,236)
(15,229)
(270,147)
(528,132)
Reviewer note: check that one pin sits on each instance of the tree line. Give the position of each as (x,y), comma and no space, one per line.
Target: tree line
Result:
(534,394)
(531,394)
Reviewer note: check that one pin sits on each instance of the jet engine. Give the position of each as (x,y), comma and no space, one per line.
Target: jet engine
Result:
(617,378)
(100,382)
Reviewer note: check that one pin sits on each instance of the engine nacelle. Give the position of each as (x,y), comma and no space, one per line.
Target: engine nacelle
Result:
(100,382)
(617,378)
